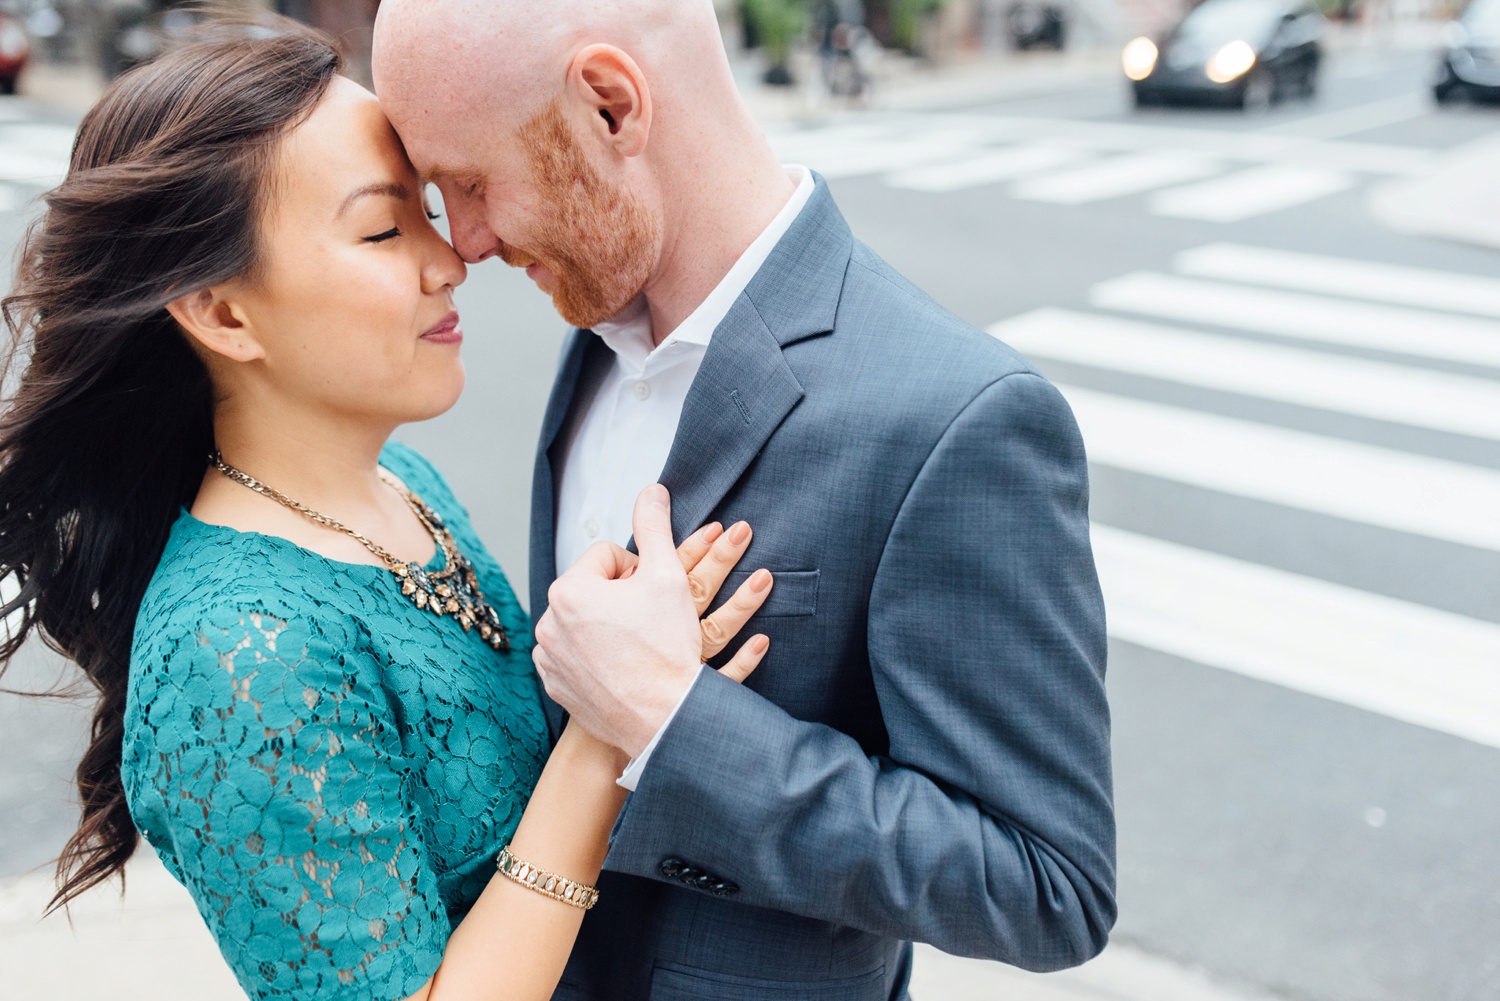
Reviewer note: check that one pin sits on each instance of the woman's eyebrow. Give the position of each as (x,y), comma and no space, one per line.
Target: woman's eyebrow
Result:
(388,188)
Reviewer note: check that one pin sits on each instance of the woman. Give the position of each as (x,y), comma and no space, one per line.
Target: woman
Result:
(317,702)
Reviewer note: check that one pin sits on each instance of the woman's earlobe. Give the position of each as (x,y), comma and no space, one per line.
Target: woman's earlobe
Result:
(216,325)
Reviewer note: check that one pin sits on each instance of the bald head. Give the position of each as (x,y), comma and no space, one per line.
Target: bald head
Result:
(582,138)
(513,55)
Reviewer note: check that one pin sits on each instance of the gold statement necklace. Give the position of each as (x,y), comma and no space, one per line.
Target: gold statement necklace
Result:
(453,590)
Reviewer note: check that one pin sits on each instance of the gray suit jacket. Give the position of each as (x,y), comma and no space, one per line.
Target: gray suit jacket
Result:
(924,755)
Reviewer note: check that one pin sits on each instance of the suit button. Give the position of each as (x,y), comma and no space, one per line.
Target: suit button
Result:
(671,867)
(705,881)
(723,888)
(687,874)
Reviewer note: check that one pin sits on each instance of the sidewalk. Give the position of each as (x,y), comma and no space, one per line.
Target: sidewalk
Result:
(154,947)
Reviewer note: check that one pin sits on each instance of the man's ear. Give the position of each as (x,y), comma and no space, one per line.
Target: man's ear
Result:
(217,324)
(611,84)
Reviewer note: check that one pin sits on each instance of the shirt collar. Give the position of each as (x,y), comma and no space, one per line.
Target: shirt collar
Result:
(628,333)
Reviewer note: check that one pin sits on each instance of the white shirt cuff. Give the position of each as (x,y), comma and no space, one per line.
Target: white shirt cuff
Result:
(633,771)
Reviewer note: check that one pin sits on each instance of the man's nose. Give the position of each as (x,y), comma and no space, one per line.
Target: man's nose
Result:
(471,235)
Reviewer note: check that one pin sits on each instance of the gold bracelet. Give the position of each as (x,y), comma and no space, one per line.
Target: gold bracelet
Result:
(546,883)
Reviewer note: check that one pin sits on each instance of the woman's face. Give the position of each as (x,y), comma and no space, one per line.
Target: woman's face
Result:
(352,310)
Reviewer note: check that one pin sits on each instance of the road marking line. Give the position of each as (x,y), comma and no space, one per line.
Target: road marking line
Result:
(877,150)
(45,171)
(1399,491)
(1360,118)
(1309,317)
(1115,177)
(985,168)
(1393,283)
(1417,397)
(1402,660)
(1249,193)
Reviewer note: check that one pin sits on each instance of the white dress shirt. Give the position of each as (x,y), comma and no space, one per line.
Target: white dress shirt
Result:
(622,442)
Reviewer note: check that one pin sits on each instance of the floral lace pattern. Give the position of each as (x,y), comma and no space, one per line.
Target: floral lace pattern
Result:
(328,769)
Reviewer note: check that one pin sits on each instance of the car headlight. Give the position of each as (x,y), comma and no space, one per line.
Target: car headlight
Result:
(1231,62)
(1139,58)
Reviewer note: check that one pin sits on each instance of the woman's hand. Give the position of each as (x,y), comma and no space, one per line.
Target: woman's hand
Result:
(708,556)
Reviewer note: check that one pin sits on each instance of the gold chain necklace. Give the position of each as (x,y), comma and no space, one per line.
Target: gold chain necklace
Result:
(453,590)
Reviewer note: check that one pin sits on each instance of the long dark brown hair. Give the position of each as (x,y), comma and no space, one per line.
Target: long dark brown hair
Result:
(110,427)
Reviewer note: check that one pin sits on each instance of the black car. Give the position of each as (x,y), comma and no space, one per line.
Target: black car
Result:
(1245,53)
(1471,64)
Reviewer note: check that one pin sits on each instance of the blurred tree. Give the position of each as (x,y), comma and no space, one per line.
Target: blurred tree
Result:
(907,19)
(778,24)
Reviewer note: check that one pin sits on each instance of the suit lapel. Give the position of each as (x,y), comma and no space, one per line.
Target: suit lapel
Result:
(745,388)
(580,369)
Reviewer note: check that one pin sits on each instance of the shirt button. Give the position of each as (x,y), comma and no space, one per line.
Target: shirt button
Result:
(643,391)
(592,528)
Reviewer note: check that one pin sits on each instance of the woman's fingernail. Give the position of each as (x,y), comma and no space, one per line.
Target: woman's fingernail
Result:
(760,644)
(760,580)
(739,533)
(712,532)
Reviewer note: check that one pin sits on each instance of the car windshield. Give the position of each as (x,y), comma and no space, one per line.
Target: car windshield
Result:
(1220,21)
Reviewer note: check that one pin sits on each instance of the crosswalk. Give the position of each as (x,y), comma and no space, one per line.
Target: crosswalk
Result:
(33,154)
(1210,175)
(1303,335)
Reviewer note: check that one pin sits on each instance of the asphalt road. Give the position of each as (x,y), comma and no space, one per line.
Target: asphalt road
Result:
(1293,462)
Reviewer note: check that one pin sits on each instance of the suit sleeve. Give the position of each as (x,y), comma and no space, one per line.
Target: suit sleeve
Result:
(987,829)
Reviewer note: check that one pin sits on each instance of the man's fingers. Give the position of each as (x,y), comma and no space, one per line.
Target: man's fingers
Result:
(697,545)
(652,523)
(726,623)
(747,658)
(705,579)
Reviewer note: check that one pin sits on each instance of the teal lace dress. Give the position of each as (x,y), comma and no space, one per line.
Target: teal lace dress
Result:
(327,768)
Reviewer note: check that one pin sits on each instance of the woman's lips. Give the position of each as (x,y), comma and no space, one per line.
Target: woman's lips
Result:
(446,332)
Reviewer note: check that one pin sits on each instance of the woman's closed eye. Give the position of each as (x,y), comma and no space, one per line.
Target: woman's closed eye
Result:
(395,231)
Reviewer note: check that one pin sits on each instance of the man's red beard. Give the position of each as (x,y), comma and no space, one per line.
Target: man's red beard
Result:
(597,240)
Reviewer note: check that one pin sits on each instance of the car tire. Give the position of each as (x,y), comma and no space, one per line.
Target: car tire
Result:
(1258,94)
(1449,87)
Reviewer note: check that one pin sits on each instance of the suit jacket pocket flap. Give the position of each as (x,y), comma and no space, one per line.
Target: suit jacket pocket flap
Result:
(795,592)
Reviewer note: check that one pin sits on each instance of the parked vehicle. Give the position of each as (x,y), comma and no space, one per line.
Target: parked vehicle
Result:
(15,52)
(1470,65)
(1037,24)
(1245,53)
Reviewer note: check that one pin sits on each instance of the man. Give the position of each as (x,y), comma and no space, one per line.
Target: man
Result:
(924,753)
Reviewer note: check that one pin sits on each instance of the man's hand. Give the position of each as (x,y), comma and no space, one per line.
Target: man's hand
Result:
(622,640)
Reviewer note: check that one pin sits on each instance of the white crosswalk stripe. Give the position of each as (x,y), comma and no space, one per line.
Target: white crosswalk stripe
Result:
(1316,318)
(33,156)
(1208,175)
(1403,660)
(1250,193)
(1409,661)
(1112,178)
(986,168)
(1381,391)
(1343,479)
(1392,283)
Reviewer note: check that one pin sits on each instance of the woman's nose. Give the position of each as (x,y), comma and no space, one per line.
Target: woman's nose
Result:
(444,267)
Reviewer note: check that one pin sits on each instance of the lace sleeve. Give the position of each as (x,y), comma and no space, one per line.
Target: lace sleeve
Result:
(286,802)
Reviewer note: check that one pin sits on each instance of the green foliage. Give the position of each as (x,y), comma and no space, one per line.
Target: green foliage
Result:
(906,19)
(779,23)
